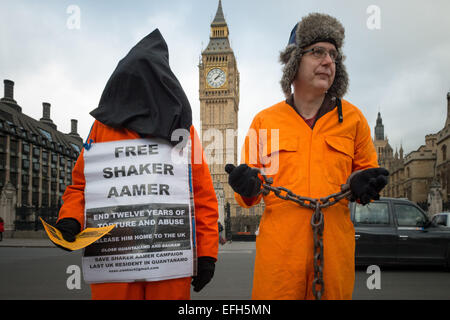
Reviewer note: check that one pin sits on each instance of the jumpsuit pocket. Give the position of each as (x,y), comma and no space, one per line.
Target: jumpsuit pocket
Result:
(279,159)
(338,156)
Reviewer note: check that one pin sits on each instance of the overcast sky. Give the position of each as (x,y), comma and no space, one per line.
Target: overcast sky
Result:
(401,69)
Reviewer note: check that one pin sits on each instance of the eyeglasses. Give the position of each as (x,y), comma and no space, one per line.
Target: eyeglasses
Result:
(321,53)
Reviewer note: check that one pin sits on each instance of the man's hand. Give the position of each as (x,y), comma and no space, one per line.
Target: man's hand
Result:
(205,272)
(244,180)
(367,184)
(69,228)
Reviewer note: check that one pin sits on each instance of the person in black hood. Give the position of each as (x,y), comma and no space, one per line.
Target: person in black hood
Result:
(144,99)
(144,95)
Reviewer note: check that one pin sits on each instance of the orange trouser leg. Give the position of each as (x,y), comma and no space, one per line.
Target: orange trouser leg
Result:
(118,291)
(174,289)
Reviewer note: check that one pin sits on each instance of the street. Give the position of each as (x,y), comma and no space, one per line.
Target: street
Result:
(40,273)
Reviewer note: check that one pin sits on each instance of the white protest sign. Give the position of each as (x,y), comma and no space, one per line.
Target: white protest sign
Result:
(135,185)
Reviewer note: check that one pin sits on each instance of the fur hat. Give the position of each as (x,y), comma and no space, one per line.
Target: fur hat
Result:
(316,27)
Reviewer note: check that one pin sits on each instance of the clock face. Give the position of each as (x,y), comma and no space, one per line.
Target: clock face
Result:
(216,77)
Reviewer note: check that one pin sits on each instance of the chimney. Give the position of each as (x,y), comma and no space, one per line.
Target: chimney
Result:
(9,95)
(46,111)
(46,115)
(9,89)
(73,127)
(73,130)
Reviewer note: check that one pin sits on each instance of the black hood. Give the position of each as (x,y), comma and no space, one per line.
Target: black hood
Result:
(143,94)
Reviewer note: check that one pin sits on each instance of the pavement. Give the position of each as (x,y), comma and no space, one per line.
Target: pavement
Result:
(21,242)
(242,246)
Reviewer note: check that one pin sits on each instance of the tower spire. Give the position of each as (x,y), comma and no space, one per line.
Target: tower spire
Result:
(219,19)
(379,128)
(218,39)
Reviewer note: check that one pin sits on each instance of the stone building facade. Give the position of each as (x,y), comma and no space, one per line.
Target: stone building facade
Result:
(443,156)
(422,174)
(36,159)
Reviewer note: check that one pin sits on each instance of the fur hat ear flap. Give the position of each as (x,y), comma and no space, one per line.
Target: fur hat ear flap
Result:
(286,54)
(293,56)
(340,84)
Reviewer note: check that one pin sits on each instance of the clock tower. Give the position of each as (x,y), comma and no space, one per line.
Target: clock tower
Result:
(219,105)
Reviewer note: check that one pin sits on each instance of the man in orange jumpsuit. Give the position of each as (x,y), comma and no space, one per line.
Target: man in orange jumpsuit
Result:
(143,98)
(310,143)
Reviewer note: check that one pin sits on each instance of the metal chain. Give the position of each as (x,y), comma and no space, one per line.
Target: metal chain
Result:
(317,226)
(317,222)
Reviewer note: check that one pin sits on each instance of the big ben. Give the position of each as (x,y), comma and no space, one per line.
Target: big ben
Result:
(219,105)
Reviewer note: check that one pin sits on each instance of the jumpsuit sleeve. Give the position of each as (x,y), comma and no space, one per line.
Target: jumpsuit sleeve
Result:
(73,197)
(250,155)
(365,153)
(205,202)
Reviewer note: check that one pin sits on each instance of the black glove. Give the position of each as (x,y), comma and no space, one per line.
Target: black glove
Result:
(367,184)
(69,229)
(244,180)
(205,272)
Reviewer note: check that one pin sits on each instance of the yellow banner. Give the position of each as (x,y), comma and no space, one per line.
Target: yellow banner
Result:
(82,240)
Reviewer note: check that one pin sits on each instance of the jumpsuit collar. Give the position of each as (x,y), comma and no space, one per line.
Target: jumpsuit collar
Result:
(328,104)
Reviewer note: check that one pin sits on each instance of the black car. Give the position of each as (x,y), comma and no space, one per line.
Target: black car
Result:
(394,231)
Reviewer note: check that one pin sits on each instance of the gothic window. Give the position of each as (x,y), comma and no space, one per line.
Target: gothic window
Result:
(444,152)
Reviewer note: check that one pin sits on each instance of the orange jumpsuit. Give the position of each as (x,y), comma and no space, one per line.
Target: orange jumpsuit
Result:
(206,216)
(312,163)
